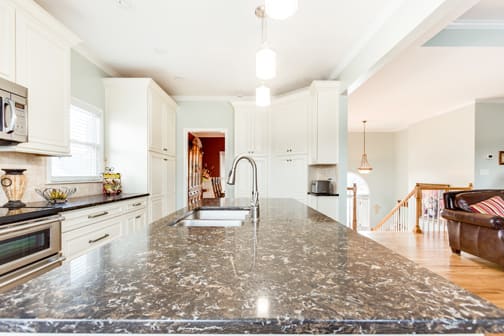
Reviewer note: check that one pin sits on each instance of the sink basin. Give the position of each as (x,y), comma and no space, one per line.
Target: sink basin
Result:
(210,222)
(217,217)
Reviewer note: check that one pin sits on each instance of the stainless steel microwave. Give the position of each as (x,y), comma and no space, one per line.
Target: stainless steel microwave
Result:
(13,113)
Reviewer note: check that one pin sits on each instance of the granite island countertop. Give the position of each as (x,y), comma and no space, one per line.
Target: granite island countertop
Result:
(297,271)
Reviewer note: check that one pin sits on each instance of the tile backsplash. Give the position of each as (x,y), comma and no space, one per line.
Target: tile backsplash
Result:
(36,176)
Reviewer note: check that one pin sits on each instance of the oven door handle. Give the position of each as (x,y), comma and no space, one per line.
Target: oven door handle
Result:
(31,271)
(12,125)
(19,226)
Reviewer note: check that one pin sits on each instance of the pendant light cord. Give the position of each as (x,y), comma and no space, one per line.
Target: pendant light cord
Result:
(264,30)
(364,122)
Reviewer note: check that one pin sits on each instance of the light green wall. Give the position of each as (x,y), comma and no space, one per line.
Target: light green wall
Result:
(198,116)
(86,81)
(489,140)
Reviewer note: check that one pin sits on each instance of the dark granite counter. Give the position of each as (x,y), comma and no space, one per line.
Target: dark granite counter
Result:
(297,271)
(75,203)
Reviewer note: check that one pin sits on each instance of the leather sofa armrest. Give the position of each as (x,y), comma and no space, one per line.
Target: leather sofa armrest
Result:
(490,221)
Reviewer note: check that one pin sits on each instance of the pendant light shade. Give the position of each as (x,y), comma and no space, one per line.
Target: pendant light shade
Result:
(365,167)
(281,9)
(263,96)
(265,63)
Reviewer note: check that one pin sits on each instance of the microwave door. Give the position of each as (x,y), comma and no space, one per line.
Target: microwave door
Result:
(10,110)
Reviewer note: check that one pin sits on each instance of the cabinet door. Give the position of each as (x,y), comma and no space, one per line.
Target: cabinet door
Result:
(171,193)
(157,208)
(157,121)
(43,66)
(134,222)
(243,185)
(259,119)
(171,119)
(327,127)
(328,206)
(289,177)
(158,177)
(243,130)
(7,40)
(289,126)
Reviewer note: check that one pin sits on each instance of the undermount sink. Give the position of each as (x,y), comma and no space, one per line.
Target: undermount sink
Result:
(217,217)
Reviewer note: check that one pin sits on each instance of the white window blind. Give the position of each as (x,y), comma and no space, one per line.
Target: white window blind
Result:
(86,146)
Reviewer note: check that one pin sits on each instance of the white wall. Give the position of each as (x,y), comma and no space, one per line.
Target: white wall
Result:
(489,140)
(202,115)
(441,149)
(382,181)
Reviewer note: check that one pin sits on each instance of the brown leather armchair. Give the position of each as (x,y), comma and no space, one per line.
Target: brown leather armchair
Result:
(474,233)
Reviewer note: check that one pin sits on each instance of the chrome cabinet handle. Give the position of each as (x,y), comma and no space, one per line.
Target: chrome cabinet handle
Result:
(98,215)
(92,241)
(138,217)
(165,149)
(136,204)
(9,129)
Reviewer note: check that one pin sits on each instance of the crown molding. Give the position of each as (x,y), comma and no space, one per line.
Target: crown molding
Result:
(476,25)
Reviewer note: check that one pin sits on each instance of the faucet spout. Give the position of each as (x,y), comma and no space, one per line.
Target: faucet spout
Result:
(255,191)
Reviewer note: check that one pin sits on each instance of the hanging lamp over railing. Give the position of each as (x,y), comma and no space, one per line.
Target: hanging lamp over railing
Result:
(365,167)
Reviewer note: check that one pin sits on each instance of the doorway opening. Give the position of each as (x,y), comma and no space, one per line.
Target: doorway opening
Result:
(205,171)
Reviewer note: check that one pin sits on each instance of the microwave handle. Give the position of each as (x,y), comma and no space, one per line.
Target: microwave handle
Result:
(12,125)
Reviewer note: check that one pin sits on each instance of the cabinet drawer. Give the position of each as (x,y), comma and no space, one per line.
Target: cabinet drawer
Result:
(81,240)
(84,217)
(136,204)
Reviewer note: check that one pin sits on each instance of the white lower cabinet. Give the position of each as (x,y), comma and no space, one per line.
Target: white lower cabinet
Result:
(134,222)
(327,205)
(88,228)
(158,206)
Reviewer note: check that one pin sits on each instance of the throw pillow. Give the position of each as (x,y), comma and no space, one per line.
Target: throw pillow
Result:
(491,206)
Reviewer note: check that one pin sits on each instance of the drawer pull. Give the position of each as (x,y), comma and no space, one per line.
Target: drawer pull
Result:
(138,217)
(92,241)
(136,204)
(165,149)
(98,214)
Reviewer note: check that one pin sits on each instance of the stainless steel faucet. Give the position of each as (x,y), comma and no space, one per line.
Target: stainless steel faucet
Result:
(254,205)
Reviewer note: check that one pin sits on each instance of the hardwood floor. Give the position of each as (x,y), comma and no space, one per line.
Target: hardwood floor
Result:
(432,251)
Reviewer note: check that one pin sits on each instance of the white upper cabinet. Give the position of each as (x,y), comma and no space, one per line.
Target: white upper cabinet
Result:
(140,140)
(37,55)
(289,124)
(251,129)
(324,122)
(7,40)
(162,111)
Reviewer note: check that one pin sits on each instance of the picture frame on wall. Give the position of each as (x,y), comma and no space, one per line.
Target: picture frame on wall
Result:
(501,157)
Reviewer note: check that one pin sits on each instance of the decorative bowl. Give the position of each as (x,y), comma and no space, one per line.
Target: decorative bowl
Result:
(56,195)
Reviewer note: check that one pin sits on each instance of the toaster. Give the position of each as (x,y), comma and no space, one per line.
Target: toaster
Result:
(321,187)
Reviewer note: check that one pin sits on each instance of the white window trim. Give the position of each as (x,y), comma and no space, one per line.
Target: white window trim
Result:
(83,179)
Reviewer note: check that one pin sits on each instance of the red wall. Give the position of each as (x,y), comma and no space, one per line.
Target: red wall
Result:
(211,149)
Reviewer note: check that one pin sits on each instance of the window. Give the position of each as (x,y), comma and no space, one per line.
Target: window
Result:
(86,147)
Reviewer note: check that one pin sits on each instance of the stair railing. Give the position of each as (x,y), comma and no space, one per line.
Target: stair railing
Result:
(399,219)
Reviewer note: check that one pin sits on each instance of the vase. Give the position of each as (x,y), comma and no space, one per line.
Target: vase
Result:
(13,184)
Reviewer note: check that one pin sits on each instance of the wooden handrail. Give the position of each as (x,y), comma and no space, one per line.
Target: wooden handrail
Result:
(396,208)
(417,192)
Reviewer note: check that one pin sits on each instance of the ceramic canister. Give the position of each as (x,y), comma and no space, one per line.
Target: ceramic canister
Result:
(13,184)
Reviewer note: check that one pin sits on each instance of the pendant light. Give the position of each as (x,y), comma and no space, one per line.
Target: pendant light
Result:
(281,9)
(365,167)
(265,56)
(263,96)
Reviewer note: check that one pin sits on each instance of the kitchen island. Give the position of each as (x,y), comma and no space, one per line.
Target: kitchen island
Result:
(296,271)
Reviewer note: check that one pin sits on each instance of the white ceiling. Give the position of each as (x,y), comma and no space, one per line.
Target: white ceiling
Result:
(423,82)
(207,48)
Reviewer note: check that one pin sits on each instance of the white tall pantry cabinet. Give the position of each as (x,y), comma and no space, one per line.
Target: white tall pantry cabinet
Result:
(140,142)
